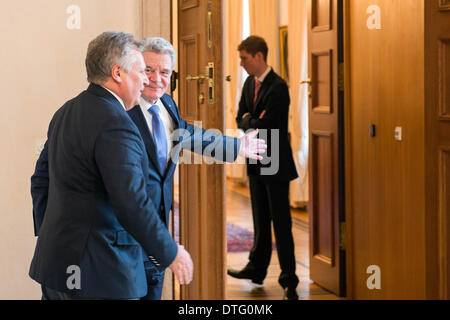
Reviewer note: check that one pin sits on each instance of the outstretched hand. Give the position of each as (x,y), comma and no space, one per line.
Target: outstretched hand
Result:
(251,146)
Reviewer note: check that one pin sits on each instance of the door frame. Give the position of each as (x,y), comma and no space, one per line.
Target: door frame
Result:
(347,150)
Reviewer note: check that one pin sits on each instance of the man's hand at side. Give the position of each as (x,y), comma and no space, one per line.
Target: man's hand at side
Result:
(182,266)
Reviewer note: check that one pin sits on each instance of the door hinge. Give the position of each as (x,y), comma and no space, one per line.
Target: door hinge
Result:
(343,236)
(341,80)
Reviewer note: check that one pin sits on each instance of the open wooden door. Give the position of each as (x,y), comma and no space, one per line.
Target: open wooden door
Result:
(326,208)
(202,219)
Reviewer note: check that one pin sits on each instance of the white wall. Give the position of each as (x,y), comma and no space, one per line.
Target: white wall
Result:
(42,67)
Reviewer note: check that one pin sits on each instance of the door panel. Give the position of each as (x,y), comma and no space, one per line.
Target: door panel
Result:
(326,211)
(322,73)
(321,15)
(437,148)
(202,220)
(386,176)
(189,48)
(323,243)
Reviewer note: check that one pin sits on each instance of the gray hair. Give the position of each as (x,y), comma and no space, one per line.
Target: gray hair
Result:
(160,46)
(109,49)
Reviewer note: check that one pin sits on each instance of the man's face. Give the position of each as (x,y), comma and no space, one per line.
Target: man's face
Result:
(158,70)
(134,82)
(251,64)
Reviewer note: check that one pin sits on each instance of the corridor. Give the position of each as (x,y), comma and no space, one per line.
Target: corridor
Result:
(238,212)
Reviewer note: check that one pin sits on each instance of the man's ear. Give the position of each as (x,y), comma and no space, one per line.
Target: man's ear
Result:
(259,55)
(116,73)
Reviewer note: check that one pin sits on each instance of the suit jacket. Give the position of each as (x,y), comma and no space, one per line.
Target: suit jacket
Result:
(159,185)
(186,136)
(98,213)
(274,98)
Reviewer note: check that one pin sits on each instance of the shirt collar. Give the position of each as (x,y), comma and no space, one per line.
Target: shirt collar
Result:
(145,105)
(116,96)
(264,75)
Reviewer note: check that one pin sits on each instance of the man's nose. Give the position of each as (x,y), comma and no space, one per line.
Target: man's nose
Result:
(146,81)
(155,76)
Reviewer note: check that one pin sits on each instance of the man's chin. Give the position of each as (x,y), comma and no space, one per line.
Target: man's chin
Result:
(150,97)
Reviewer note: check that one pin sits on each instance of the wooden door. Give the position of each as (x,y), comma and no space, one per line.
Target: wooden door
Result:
(202,219)
(386,176)
(326,209)
(437,149)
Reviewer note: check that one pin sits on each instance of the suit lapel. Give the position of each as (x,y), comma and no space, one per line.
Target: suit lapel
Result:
(170,107)
(264,87)
(251,94)
(139,119)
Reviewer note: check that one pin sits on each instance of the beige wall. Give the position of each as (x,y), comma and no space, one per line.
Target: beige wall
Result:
(43,66)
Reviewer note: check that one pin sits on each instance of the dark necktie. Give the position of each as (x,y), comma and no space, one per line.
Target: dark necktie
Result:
(257,86)
(159,135)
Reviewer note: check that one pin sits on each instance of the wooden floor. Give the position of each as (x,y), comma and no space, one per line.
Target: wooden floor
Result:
(238,212)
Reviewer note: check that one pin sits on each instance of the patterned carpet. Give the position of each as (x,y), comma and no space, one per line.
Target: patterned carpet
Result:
(238,239)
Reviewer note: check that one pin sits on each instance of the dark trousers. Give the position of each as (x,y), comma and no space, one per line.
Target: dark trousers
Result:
(270,203)
(155,282)
(50,294)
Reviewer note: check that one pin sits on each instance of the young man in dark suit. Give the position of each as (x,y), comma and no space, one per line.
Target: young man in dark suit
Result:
(264,104)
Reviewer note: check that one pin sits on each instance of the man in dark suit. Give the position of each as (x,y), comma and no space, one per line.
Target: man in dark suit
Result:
(264,104)
(164,133)
(99,218)
(160,58)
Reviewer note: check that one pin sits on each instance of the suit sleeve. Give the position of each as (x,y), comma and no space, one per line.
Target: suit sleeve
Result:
(209,143)
(244,108)
(39,189)
(276,105)
(118,152)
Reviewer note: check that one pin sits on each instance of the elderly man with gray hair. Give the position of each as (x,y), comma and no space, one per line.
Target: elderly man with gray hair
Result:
(91,182)
(160,123)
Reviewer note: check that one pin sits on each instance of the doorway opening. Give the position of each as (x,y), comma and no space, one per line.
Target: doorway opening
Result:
(288,49)
(241,21)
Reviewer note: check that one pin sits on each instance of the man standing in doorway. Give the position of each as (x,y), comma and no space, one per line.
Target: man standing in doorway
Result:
(264,104)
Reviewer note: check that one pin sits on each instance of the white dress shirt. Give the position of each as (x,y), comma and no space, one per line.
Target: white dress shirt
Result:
(264,75)
(116,96)
(167,120)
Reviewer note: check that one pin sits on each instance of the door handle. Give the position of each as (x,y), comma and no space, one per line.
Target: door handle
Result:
(309,81)
(198,78)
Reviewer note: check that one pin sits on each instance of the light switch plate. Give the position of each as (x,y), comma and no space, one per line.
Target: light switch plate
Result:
(398,134)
